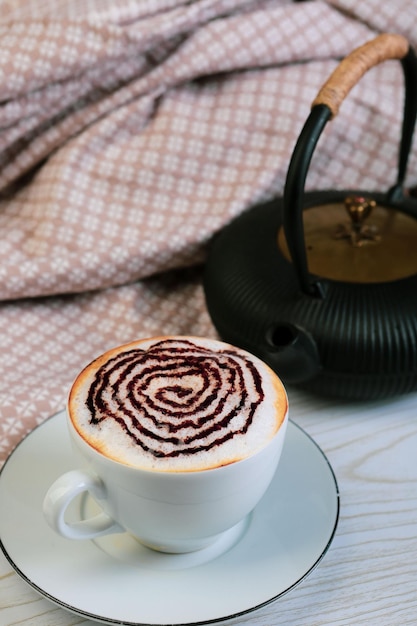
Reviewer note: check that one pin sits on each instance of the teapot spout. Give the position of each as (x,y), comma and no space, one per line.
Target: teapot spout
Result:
(292,352)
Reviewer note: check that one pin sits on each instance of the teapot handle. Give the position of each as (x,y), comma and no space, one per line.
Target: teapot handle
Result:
(326,106)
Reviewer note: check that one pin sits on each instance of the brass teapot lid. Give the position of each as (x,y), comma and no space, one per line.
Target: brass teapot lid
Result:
(377,244)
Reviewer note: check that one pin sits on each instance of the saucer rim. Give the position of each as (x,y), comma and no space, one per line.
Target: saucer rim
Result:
(223,619)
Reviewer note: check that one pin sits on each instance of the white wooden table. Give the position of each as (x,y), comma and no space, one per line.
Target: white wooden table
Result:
(369,575)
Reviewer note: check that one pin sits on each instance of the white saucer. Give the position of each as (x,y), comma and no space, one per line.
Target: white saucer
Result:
(118,581)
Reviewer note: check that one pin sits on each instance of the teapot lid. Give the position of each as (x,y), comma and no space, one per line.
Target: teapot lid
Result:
(358,240)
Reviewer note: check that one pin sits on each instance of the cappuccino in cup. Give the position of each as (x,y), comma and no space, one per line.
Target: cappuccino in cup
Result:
(177,404)
(176,438)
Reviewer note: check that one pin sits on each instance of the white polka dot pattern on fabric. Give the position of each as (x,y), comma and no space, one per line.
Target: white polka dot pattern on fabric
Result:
(130,133)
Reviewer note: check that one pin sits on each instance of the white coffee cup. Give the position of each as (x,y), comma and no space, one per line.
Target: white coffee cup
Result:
(169,511)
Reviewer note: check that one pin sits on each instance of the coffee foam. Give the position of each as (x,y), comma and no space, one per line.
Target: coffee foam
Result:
(177,404)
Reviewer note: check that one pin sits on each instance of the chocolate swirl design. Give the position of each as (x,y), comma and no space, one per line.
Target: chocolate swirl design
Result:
(176,398)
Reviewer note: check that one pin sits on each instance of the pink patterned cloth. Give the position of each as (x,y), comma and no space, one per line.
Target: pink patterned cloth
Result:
(131,131)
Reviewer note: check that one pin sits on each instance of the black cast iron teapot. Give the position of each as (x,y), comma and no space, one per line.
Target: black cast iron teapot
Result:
(323,285)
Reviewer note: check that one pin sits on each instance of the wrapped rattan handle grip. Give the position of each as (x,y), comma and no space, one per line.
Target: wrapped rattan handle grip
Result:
(356,64)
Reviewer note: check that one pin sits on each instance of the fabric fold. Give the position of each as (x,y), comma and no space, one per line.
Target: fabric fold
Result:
(131,132)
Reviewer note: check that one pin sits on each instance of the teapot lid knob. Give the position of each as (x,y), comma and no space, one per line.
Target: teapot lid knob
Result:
(359,208)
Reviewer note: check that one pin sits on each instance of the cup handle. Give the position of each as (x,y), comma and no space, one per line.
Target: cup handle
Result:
(59,496)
